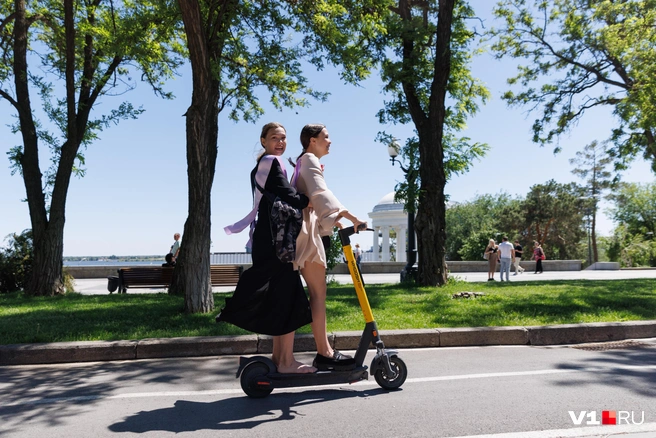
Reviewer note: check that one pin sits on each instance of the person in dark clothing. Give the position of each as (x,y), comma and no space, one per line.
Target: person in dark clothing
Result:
(518,257)
(269,297)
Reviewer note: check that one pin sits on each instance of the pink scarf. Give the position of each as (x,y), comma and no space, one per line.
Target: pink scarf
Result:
(263,169)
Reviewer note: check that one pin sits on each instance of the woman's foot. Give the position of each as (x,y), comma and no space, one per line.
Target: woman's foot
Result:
(296,367)
(335,362)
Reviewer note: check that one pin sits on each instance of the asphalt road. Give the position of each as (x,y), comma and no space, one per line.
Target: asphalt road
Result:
(513,392)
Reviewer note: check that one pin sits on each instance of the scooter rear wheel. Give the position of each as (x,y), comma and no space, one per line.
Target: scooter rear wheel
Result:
(249,380)
(390,383)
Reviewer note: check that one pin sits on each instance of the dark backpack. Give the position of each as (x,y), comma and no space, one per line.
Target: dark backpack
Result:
(286,222)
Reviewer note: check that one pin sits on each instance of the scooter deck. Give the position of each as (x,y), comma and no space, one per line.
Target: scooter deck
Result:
(279,380)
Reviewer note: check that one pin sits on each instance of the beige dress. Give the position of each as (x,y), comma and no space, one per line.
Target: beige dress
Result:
(319,217)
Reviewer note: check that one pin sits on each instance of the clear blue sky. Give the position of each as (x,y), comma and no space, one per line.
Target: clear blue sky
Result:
(134,195)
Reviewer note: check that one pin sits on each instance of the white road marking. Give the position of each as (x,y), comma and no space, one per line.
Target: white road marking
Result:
(579,432)
(208,393)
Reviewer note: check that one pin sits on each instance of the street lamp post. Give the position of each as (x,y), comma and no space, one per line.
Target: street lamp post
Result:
(409,271)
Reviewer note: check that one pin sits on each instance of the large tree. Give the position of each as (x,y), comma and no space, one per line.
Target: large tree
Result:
(470,225)
(72,54)
(553,216)
(635,207)
(236,48)
(583,54)
(426,63)
(592,163)
(634,210)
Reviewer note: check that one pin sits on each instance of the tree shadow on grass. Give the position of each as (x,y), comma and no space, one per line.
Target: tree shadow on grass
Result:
(235,413)
(566,305)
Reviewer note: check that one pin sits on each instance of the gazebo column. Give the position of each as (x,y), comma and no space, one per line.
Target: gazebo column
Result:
(376,247)
(386,252)
(400,245)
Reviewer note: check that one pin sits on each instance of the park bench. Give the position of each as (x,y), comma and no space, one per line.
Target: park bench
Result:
(160,276)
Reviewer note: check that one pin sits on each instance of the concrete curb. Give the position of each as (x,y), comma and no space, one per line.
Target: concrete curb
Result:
(93,351)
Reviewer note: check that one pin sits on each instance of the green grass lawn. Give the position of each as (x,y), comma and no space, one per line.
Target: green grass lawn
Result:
(75,317)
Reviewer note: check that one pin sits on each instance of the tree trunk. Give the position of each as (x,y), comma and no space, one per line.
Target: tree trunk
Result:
(595,253)
(46,276)
(192,271)
(47,273)
(431,215)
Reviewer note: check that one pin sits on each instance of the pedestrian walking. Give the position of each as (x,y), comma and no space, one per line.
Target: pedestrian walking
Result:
(518,258)
(507,256)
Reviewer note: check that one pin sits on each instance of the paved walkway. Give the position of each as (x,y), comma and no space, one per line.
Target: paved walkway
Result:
(98,286)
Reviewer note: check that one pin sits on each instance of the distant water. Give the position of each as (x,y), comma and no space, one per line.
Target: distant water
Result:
(112,263)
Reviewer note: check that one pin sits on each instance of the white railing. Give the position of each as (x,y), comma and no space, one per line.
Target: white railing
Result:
(230,258)
(243,258)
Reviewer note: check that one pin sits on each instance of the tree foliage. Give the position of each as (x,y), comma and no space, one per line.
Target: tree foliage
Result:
(592,163)
(635,206)
(582,54)
(237,49)
(16,262)
(554,217)
(550,213)
(470,225)
(73,55)
(631,250)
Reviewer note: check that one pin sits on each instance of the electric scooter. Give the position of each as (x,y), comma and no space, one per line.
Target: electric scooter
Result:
(259,376)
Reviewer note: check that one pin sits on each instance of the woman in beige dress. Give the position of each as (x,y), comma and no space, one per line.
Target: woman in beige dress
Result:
(323,213)
(492,251)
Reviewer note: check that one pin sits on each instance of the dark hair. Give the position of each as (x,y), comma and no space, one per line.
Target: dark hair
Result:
(309,131)
(265,130)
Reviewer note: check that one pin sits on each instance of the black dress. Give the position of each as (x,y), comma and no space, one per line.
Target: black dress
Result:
(269,298)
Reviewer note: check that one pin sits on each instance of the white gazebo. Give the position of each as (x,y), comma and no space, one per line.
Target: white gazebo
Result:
(386,216)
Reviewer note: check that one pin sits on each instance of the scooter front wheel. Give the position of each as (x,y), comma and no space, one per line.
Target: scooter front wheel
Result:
(389,382)
(253,380)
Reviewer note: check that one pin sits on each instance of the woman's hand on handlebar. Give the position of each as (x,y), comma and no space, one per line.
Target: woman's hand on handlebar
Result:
(359,225)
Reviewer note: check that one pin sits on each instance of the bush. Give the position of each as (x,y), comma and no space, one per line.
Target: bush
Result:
(474,245)
(631,250)
(16,262)
(334,254)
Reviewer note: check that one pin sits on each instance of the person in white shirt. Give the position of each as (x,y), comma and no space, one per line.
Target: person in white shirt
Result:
(172,256)
(507,256)
(357,252)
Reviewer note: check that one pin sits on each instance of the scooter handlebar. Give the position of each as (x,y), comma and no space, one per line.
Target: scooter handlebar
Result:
(346,233)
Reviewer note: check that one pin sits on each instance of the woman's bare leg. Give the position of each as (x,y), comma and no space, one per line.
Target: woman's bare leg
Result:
(315,278)
(283,356)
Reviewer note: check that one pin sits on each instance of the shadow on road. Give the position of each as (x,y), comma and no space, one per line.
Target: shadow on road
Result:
(51,395)
(233,413)
(615,369)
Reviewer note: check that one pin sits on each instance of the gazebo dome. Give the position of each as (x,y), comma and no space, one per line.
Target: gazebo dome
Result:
(387,204)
